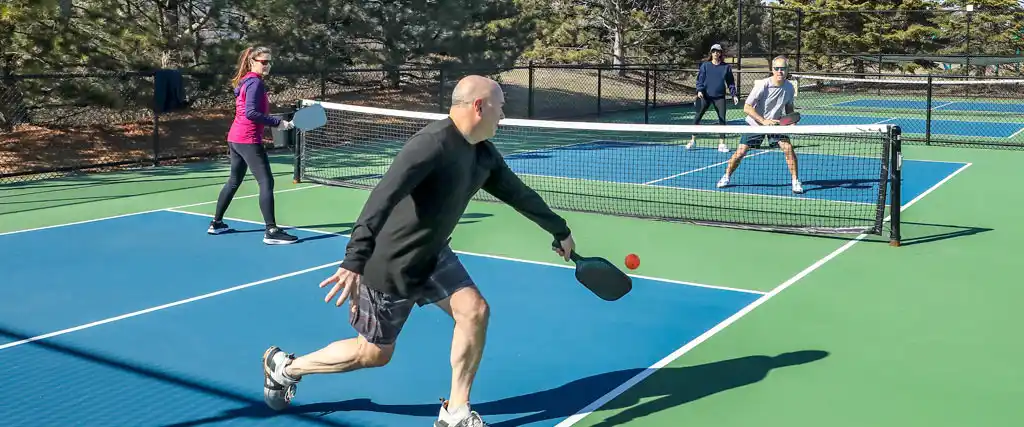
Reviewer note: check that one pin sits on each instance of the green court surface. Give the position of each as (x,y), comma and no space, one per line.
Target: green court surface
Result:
(850,332)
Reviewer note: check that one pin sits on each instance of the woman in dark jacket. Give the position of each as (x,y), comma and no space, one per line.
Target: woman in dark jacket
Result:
(712,79)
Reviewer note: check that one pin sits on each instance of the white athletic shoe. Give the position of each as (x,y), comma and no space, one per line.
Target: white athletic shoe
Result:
(462,417)
(722,147)
(723,182)
(797,188)
(690,145)
(278,388)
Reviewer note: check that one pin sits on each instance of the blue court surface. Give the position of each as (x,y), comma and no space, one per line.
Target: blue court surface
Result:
(762,173)
(150,321)
(972,106)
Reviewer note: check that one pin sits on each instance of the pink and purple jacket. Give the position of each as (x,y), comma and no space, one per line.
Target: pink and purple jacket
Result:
(252,108)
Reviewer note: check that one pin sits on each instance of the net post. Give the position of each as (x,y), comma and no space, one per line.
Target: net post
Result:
(297,144)
(895,183)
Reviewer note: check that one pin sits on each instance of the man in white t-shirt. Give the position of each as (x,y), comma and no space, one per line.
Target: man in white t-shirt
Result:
(769,100)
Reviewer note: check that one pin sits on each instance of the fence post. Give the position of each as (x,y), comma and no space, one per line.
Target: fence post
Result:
(529,93)
(600,70)
(928,113)
(440,89)
(654,95)
(323,84)
(297,151)
(647,94)
(799,27)
(156,123)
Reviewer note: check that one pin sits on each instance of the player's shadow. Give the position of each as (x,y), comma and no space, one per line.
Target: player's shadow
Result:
(667,388)
(328,231)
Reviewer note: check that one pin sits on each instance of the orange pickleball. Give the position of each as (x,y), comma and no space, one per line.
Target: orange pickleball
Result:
(632,261)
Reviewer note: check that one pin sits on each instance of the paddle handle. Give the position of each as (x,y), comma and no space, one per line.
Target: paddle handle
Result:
(572,255)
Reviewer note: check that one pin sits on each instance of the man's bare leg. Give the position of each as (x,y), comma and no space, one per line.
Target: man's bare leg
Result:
(787,150)
(341,356)
(734,162)
(471,313)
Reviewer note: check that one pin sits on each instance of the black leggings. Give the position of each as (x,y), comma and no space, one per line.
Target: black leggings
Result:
(702,107)
(255,157)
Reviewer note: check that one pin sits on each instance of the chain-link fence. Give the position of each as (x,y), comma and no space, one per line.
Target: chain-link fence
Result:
(958,40)
(52,125)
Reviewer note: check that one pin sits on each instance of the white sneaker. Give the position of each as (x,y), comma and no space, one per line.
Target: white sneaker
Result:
(722,147)
(690,145)
(723,182)
(278,388)
(462,417)
(797,188)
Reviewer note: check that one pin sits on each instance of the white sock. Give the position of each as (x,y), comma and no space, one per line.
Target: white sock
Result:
(454,416)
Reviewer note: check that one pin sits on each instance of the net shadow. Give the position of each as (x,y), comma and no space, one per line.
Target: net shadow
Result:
(916,233)
(251,408)
(913,233)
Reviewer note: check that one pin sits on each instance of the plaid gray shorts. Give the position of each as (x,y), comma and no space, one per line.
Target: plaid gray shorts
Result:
(379,317)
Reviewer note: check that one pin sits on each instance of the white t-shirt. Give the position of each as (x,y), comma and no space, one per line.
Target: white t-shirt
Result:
(769,100)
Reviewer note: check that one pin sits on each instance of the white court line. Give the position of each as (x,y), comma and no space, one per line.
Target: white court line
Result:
(549,264)
(1016,133)
(700,169)
(597,404)
(161,307)
(149,211)
(296,273)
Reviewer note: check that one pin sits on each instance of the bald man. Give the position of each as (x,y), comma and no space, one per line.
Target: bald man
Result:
(398,256)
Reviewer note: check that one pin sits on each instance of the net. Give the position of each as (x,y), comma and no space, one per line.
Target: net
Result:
(644,171)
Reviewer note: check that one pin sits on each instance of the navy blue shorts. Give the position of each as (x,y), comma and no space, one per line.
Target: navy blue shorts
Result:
(755,140)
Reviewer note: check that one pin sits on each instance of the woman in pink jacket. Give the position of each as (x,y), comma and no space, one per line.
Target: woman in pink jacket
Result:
(245,143)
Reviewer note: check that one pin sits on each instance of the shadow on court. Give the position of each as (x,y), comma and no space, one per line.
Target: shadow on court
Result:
(911,233)
(101,188)
(327,231)
(813,185)
(670,387)
(915,233)
(253,408)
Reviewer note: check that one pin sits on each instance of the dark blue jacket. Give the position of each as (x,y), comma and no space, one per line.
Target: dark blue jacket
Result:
(712,79)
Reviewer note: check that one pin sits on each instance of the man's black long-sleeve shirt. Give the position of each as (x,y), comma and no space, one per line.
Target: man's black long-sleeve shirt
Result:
(415,207)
